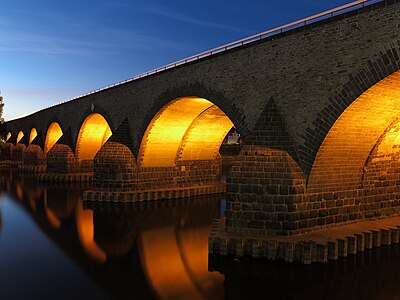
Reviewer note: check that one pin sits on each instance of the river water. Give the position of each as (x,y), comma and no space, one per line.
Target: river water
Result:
(55,246)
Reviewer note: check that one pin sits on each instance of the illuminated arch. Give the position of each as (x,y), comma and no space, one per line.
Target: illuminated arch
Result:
(94,132)
(188,128)
(53,135)
(20,136)
(341,158)
(8,136)
(32,135)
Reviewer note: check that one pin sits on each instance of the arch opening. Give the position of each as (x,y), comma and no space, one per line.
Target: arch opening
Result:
(188,128)
(8,136)
(340,161)
(32,135)
(54,133)
(20,136)
(94,132)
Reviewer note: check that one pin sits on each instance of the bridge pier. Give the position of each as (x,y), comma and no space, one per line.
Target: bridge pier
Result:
(114,168)
(264,189)
(6,151)
(6,156)
(118,178)
(62,166)
(18,155)
(34,160)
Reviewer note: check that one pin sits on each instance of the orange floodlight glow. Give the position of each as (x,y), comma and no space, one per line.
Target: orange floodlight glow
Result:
(85,227)
(389,145)
(169,255)
(53,220)
(32,135)
(204,137)
(94,132)
(20,136)
(188,128)
(8,136)
(347,146)
(53,135)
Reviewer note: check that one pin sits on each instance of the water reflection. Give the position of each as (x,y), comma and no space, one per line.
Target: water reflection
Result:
(146,250)
(371,275)
(158,250)
(85,227)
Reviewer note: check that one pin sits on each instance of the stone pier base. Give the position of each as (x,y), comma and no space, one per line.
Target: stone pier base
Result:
(5,165)
(32,169)
(156,194)
(65,178)
(319,246)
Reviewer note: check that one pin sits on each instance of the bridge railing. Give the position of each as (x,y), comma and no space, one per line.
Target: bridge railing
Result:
(265,34)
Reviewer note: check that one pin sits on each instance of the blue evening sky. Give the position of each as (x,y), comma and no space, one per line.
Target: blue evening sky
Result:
(51,51)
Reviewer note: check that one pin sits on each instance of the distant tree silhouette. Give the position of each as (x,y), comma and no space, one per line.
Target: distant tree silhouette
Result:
(1,109)
(2,125)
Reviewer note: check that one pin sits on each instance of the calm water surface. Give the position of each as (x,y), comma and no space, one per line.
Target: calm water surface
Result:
(54,246)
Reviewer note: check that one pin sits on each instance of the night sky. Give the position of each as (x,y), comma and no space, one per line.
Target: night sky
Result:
(51,51)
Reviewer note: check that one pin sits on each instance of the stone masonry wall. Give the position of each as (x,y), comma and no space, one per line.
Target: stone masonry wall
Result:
(263,188)
(185,174)
(34,156)
(18,153)
(61,159)
(114,168)
(6,151)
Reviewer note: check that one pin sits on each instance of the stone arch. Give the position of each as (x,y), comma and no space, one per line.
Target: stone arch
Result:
(342,155)
(33,134)
(227,105)
(186,129)
(54,132)
(93,133)
(97,109)
(380,66)
(7,150)
(19,136)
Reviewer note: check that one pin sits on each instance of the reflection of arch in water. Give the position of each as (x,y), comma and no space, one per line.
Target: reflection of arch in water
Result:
(20,191)
(31,189)
(54,221)
(169,256)
(85,227)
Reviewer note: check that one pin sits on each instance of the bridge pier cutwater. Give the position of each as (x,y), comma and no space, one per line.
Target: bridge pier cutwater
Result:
(317,107)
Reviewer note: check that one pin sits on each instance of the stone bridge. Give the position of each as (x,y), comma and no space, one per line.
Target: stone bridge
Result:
(317,107)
